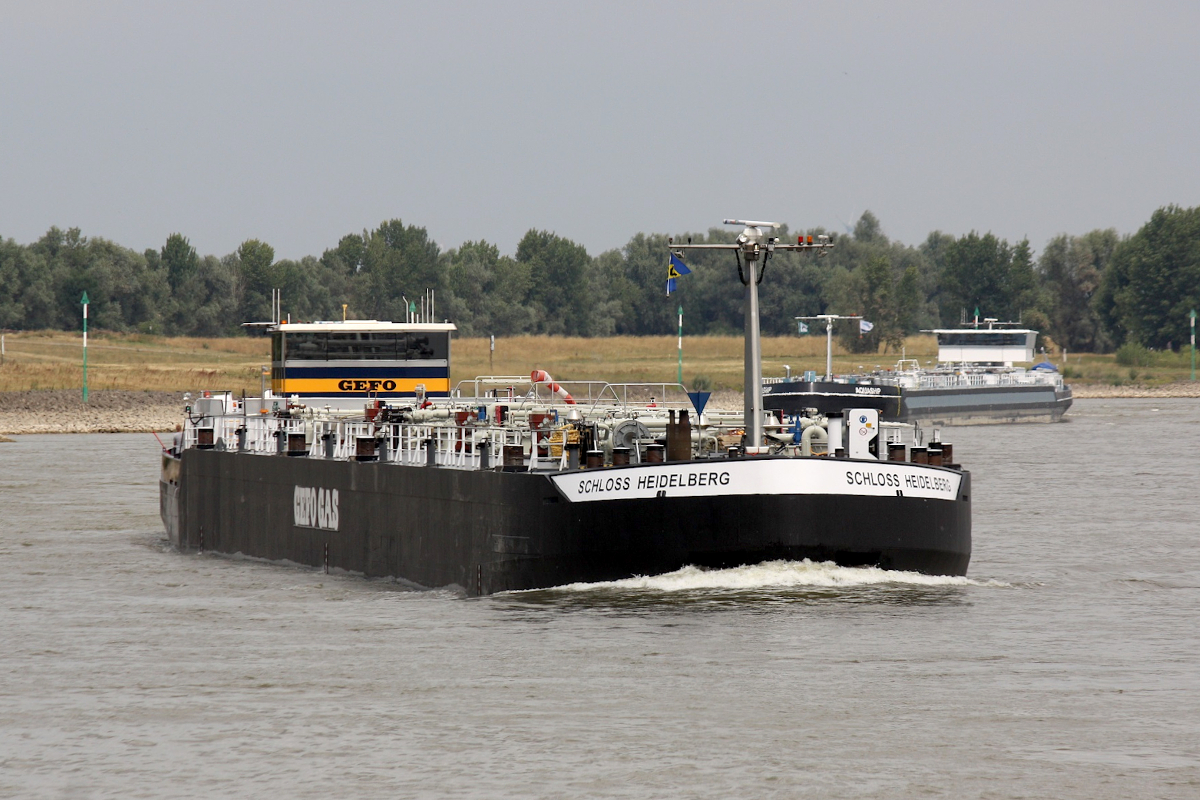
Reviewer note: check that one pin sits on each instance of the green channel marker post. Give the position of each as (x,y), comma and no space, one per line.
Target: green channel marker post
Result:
(1193,316)
(85,305)
(679,379)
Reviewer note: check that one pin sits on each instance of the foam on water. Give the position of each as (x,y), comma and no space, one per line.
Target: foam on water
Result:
(778,574)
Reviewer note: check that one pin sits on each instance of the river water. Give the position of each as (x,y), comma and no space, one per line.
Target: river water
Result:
(1067,665)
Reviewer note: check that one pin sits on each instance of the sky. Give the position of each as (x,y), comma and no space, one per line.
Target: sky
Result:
(297,123)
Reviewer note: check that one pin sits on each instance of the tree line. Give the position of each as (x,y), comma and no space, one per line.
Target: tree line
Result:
(1092,292)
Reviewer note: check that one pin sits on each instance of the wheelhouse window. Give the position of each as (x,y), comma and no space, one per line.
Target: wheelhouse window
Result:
(362,346)
(427,345)
(305,347)
(988,339)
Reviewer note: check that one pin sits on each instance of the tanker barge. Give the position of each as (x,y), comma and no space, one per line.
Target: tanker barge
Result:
(976,381)
(512,483)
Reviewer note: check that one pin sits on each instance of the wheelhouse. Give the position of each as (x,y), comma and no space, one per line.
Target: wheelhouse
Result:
(986,346)
(361,359)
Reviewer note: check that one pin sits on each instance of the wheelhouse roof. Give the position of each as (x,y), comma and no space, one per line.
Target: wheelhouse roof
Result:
(979,331)
(361,325)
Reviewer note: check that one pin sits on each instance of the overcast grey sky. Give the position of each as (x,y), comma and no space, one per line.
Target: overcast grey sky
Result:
(297,123)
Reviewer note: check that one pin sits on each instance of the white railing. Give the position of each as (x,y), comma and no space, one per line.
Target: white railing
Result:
(259,431)
(456,446)
(955,380)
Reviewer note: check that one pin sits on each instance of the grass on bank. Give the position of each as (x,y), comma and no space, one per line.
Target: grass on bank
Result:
(53,360)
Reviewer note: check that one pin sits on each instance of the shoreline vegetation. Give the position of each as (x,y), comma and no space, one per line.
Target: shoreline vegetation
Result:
(136,382)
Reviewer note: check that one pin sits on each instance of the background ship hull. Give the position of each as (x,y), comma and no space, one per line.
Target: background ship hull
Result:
(487,531)
(959,406)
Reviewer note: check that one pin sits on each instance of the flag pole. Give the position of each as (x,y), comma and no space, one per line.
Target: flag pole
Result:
(680,377)
(85,305)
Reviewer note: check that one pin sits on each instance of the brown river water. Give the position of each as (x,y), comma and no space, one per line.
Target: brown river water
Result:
(1066,665)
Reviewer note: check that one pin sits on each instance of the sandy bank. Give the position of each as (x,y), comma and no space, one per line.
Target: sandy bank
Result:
(1101,390)
(141,412)
(105,412)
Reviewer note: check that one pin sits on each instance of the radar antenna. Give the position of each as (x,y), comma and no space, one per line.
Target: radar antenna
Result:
(755,246)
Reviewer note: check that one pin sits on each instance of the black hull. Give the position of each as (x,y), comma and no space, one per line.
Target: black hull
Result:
(975,405)
(489,531)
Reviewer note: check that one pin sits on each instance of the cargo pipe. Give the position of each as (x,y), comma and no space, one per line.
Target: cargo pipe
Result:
(813,434)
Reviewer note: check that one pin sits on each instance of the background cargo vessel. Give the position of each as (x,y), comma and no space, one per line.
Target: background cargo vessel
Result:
(974,382)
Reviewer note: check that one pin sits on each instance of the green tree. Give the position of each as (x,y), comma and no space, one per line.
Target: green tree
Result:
(869,231)
(1072,268)
(976,276)
(12,284)
(559,282)
(391,262)
(47,273)
(124,292)
(179,259)
(987,273)
(471,286)
(934,251)
(1023,289)
(635,278)
(510,311)
(211,291)
(257,276)
(888,303)
(1153,280)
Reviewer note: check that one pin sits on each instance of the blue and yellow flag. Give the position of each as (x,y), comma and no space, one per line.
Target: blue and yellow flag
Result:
(675,269)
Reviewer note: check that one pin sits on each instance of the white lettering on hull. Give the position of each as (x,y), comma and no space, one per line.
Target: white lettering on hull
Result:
(768,476)
(315,508)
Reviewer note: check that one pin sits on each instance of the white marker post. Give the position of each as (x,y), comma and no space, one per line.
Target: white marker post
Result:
(491,355)
(679,380)
(85,305)
(1193,318)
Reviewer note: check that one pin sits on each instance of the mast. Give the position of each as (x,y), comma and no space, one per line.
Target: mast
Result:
(829,320)
(755,247)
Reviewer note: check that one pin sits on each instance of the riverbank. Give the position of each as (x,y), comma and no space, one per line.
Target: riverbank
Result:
(62,411)
(1100,390)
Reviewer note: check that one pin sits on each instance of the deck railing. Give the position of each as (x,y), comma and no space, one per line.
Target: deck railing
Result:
(455,446)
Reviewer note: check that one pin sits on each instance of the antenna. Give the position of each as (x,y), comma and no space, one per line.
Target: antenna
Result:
(752,224)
